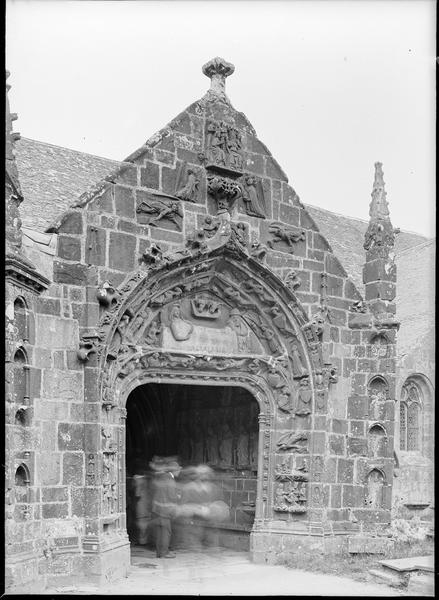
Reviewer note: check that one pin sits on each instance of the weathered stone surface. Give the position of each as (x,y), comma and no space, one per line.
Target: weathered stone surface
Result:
(69,248)
(62,385)
(124,201)
(53,332)
(74,274)
(49,469)
(122,251)
(73,468)
(70,436)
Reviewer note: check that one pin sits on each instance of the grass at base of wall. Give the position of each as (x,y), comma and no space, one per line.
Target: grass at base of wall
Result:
(355,566)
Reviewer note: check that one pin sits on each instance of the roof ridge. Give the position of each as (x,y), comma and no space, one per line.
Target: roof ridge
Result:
(427,242)
(71,149)
(426,238)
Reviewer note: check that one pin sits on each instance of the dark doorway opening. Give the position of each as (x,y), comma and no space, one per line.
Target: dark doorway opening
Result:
(200,424)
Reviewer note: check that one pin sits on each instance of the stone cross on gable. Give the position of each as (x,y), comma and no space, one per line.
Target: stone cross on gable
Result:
(218,70)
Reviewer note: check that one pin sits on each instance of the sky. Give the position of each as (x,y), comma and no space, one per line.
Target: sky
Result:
(331,87)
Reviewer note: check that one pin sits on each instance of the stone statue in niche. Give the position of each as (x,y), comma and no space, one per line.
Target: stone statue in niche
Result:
(189,191)
(226,445)
(236,323)
(253,198)
(205,308)
(378,394)
(378,347)
(151,211)
(109,482)
(296,360)
(292,280)
(375,488)
(180,328)
(294,440)
(284,234)
(119,337)
(304,396)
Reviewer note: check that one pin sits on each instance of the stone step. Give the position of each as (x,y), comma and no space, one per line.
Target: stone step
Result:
(413,563)
(394,580)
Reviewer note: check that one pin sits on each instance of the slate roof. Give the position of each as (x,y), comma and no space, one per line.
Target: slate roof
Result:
(53,177)
(346,237)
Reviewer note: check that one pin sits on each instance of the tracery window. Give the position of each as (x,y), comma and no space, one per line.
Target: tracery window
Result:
(410,417)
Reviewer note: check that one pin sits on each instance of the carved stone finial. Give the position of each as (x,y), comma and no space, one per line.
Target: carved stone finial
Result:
(217,70)
(379,208)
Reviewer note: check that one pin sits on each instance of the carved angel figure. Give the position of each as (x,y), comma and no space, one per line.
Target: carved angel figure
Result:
(189,190)
(253,206)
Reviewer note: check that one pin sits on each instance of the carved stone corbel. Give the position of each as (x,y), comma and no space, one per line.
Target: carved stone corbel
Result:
(87,345)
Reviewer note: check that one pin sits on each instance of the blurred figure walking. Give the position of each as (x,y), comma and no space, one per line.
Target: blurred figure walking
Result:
(164,502)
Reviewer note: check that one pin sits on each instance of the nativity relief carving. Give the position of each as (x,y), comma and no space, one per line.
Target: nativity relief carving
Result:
(223,149)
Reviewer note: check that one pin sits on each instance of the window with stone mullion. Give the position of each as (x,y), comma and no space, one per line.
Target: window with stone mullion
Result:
(403,426)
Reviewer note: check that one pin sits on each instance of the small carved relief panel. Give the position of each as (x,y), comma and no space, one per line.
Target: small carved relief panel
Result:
(159,213)
(223,148)
(204,324)
(284,238)
(188,184)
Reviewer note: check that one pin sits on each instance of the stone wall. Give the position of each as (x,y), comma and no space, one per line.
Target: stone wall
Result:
(413,491)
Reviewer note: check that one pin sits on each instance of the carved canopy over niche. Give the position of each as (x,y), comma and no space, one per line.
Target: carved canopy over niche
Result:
(218,312)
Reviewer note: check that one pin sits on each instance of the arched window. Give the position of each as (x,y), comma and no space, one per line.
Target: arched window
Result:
(21,377)
(410,417)
(21,319)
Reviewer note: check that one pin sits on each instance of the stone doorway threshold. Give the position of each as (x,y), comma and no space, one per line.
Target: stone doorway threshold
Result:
(222,572)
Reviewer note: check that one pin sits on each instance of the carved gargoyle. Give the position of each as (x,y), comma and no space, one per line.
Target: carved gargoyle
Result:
(87,345)
(107,295)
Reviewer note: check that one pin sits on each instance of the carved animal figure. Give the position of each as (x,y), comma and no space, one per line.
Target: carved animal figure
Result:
(282,234)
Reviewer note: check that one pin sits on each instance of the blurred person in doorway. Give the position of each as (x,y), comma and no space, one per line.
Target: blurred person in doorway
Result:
(164,502)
